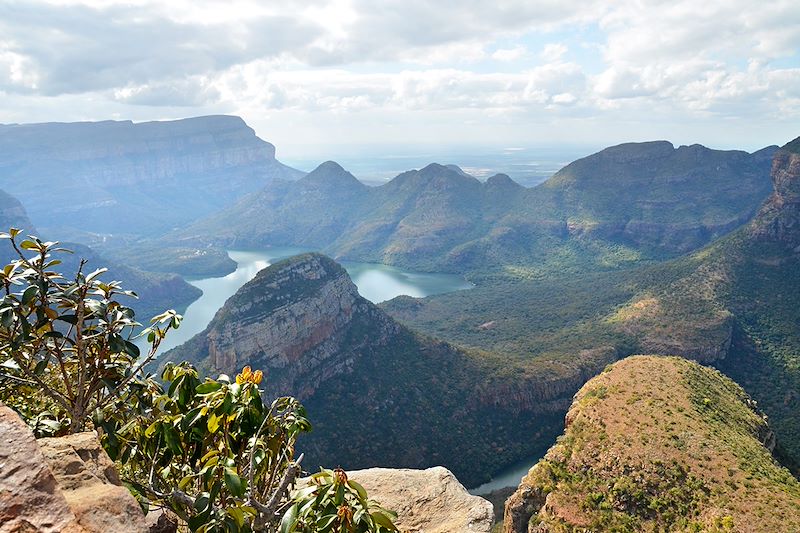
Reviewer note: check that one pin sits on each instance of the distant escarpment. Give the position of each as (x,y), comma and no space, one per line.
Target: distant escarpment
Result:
(658,444)
(394,397)
(623,204)
(120,177)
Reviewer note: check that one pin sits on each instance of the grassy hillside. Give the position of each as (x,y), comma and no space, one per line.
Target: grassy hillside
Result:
(659,444)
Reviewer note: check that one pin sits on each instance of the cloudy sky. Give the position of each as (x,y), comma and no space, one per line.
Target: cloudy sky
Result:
(308,74)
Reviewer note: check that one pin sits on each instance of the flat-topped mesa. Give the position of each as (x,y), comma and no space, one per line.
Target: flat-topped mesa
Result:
(296,321)
(197,165)
(779,219)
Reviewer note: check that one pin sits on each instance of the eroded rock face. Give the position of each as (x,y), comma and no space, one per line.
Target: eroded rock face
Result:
(426,501)
(60,485)
(90,484)
(298,319)
(200,163)
(779,219)
(30,499)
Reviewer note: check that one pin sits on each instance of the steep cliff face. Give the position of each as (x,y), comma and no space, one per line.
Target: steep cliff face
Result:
(658,444)
(395,398)
(779,218)
(143,177)
(654,196)
(300,319)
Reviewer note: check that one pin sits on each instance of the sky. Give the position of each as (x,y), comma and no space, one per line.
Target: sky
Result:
(321,75)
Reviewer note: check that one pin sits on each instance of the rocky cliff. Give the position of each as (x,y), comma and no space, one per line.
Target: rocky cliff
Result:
(658,443)
(121,177)
(395,398)
(60,485)
(302,319)
(779,218)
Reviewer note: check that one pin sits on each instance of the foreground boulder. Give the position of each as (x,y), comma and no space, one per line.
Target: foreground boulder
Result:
(60,485)
(91,485)
(426,501)
(30,499)
(659,444)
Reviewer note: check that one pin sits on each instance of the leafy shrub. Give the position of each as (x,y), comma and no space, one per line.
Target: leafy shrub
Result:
(66,350)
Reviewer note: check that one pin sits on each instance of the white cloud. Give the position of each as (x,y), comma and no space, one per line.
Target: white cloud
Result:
(510,54)
(553,52)
(633,62)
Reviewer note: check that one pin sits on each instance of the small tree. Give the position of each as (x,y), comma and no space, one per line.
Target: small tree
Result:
(222,460)
(66,350)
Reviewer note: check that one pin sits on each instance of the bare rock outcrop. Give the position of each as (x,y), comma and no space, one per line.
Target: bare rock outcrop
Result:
(30,499)
(91,485)
(300,319)
(779,219)
(426,501)
(60,485)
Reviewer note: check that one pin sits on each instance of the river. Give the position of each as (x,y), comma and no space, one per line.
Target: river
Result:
(375,282)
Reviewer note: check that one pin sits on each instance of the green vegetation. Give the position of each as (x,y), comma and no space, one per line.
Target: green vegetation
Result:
(210,450)
(668,446)
(611,209)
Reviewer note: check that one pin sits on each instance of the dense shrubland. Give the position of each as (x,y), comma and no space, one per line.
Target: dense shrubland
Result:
(208,449)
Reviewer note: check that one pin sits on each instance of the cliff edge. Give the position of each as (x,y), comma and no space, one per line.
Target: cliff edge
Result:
(658,444)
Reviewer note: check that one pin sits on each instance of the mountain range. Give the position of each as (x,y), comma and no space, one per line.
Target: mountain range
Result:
(621,205)
(732,304)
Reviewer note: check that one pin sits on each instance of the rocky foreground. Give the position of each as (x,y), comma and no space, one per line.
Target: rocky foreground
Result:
(69,485)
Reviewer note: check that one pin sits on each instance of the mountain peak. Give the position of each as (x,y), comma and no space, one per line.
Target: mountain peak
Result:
(331,173)
(502,180)
(792,146)
(456,168)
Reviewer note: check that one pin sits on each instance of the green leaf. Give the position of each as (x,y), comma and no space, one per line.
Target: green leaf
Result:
(131,349)
(213,423)
(325,522)
(96,273)
(151,429)
(184,482)
(29,295)
(173,440)
(289,520)
(208,387)
(237,514)
(383,520)
(362,494)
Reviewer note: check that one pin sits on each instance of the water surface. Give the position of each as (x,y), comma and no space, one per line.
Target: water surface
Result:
(375,282)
